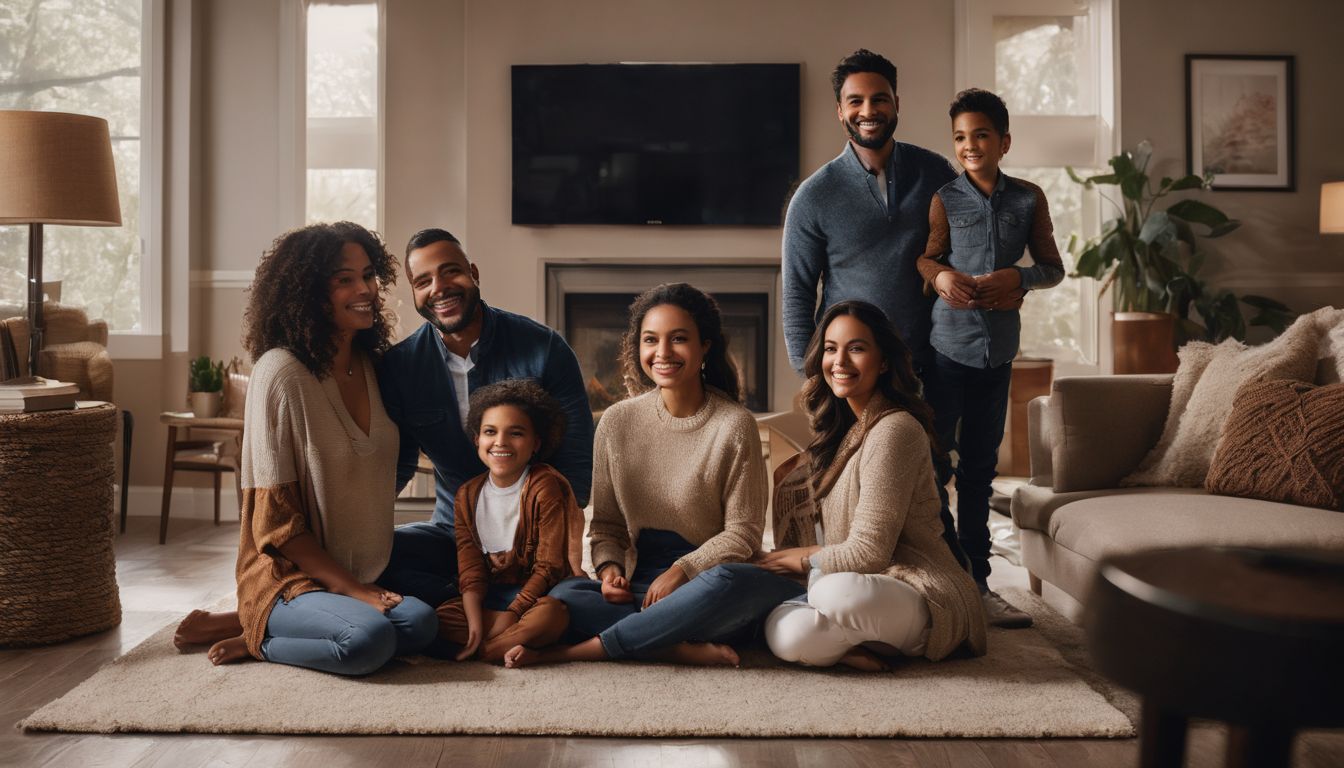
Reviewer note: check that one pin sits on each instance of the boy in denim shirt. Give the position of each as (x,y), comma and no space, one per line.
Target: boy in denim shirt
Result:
(979,224)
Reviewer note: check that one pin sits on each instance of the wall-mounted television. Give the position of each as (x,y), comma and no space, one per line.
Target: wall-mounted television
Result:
(676,144)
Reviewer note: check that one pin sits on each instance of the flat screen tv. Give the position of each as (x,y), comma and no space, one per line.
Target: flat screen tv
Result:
(676,144)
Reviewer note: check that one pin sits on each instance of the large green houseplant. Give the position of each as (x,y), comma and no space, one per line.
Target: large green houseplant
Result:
(1150,256)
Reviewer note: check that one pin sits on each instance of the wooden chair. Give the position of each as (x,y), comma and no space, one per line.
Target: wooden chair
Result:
(211,445)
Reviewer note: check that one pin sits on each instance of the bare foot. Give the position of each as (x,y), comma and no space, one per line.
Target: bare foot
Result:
(864,660)
(228,651)
(702,654)
(204,628)
(520,656)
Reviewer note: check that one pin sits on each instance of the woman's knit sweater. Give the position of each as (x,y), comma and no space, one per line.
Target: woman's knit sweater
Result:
(701,477)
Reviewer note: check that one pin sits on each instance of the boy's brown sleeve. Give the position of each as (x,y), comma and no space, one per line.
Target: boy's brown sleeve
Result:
(939,245)
(1049,267)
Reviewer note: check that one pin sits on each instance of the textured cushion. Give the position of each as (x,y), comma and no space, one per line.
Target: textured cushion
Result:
(1182,456)
(1283,442)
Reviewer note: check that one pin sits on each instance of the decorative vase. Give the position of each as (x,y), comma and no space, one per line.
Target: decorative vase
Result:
(1143,342)
(206,405)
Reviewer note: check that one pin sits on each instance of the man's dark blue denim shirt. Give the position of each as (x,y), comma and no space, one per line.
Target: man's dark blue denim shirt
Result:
(418,394)
(989,233)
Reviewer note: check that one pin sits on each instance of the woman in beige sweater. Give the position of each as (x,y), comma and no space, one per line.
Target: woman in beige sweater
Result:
(318,468)
(857,515)
(678,501)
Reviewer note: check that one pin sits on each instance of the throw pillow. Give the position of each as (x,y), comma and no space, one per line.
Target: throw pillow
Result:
(1283,442)
(1181,457)
(1331,366)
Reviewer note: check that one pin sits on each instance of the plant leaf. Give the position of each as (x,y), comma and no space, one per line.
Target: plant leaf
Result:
(1187,182)
(1199,213)
(1142,154)
(1132,185)
(1224,228)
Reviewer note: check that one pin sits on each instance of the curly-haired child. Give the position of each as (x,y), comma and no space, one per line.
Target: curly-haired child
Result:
(518,527)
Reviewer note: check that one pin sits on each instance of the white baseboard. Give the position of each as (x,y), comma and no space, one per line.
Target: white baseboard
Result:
(188,503)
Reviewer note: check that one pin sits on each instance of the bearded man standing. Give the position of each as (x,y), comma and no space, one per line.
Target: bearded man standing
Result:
(426,379)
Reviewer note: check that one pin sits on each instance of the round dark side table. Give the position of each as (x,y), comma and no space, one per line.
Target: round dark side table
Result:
(1253,638)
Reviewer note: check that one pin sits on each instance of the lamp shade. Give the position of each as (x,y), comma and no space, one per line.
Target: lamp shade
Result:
(1332,208)
(56,168)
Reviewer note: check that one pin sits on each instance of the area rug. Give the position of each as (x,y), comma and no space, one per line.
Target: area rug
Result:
(1026,687)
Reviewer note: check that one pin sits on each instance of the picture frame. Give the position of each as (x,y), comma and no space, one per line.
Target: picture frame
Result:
(1240,116)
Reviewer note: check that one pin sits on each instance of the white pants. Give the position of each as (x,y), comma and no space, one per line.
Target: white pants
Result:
(843,610)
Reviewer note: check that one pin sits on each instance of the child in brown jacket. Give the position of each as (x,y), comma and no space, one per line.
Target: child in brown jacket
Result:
(518,527)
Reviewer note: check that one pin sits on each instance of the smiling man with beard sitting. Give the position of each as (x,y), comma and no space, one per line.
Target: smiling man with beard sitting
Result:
(426,379)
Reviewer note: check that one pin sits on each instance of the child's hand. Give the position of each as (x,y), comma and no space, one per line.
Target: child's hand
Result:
(502,621)
(376,596)
(615,587)
(998,289)
(957,289)
(666,583)
(473,640)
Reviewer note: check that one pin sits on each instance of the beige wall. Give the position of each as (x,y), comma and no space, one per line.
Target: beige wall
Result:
(447,143)
(1279,250)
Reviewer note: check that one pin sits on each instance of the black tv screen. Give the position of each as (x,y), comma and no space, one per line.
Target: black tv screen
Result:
(699,144)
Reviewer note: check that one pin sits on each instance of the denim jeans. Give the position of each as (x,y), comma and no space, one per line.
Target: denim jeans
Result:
(423,563)
(723,604)
(977,399)
(343,635)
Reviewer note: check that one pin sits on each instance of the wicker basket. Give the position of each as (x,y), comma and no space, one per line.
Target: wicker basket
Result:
(58,575)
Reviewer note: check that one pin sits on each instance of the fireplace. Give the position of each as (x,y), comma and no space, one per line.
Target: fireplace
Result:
(588,304)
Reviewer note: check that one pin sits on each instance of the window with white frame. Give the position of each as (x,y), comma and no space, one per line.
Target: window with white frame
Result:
(88,57)
(1053,63)
(342,107)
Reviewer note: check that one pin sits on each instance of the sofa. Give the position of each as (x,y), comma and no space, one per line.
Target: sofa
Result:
(1093,431)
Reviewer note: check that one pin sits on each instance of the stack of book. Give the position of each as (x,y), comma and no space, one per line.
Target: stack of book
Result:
(36,394)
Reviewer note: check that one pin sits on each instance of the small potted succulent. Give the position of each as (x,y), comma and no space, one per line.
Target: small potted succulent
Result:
(206,381)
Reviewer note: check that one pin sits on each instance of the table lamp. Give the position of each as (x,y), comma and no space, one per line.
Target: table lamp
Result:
(1332,208)
(55,168)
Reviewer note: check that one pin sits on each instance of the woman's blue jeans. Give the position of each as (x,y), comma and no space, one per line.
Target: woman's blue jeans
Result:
(343,635)
(723,604)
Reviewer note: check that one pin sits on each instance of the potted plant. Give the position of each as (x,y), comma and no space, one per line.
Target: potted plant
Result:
(205,380)
(1150,257)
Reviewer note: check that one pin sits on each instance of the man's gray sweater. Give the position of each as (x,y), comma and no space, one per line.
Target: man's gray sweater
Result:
(838,234)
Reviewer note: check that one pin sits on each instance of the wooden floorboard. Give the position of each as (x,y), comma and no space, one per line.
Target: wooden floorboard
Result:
(159,584)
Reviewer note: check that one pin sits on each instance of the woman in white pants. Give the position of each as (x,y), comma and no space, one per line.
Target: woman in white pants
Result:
(856,514)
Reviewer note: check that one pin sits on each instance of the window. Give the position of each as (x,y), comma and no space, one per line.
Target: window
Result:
(89,57)
(1052,62)
(342,108)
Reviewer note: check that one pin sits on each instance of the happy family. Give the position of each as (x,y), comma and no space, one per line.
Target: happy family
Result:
(906,358)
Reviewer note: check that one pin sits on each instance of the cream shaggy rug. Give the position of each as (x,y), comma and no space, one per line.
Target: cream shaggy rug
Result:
(1026,687)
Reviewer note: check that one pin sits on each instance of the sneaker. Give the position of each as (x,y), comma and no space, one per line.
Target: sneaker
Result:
(1000,613)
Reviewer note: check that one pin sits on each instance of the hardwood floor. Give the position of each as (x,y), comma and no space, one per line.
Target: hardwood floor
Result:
(160,584)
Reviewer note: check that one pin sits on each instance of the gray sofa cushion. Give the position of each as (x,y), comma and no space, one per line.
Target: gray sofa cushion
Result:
(1165,518)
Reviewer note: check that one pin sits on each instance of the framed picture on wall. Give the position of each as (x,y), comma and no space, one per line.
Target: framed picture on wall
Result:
(1239,114)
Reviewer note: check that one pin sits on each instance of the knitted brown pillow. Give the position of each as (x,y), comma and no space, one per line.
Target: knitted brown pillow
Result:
(1284,441)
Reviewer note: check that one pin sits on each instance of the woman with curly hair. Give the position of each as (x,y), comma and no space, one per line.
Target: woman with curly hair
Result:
(678,501)
(318,467)
(856,514)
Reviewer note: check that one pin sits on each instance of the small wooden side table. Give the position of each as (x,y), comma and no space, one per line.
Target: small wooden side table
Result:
(58,570)
(186,454)
(1253,638)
